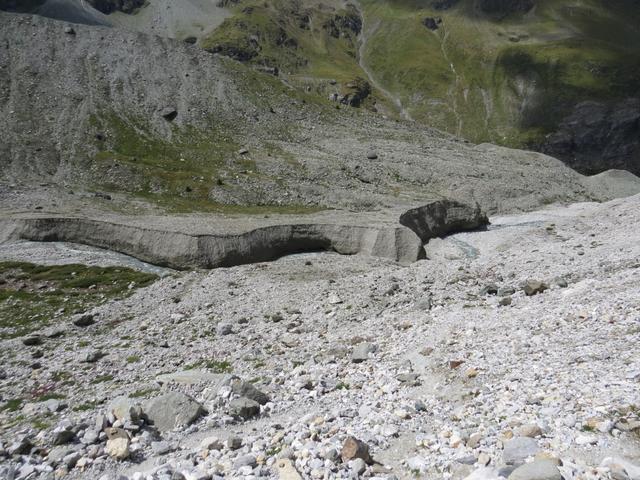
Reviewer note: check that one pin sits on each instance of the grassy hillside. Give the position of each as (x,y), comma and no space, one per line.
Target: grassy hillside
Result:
(313,45)
(504,78)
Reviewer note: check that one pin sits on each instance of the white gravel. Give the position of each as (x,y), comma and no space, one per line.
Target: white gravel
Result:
(561,366)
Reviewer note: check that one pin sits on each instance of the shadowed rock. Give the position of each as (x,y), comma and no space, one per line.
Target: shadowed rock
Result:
(443,217)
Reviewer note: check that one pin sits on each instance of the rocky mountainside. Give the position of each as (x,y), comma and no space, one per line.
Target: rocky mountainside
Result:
(166,122)
(227,250)
(512,72)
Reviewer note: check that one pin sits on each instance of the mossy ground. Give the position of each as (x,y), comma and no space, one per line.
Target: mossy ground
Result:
(33,296)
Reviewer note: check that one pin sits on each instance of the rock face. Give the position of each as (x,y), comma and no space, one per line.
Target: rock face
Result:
(172,410)
(504,7)
(443,217)
(598,137)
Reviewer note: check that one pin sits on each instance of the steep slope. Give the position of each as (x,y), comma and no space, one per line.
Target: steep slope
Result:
(169,123)
(510,78)
(508,72)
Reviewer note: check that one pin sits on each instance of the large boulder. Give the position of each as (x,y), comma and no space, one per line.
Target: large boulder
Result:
(172,410)
(443,217)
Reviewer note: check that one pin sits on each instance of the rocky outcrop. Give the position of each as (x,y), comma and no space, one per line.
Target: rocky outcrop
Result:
(357,92)
(432,23)
(443,217)
(109,6)
(344,24)
(443,4)
(598,137)
(183,250)
(504,7)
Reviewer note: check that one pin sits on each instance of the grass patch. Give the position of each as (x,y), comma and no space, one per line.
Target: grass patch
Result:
(101,379)
(176,172)
(216,366)
(12,405)
(85,407)
(50,396)
(31,296)
(142,393)
(133,359)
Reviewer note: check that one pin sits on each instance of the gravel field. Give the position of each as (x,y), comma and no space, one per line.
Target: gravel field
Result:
(508,353)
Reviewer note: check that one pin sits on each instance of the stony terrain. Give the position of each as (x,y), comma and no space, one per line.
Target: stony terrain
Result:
(506,347)
(209,272)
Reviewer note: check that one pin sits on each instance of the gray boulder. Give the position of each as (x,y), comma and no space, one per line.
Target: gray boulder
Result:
(248,390)
(244,408)
(534,287)
(538,470)
(516,451)
(172,410)
(443,217)
(361,352)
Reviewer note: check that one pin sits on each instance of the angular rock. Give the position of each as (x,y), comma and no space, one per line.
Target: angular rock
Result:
(118,448)
(361,352)
(534,287)
(537,470)
(224,329)
(443,217)
(172,410)
(358,466)
(84,320)
(516,451)
(409,378)
(234,443)
(531,430)
(286,470)
(92,357)
(211,443)
(354,448)
(245,461)
(125,409)
(244,408)
(505,302)
(32,340)
(248,390)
